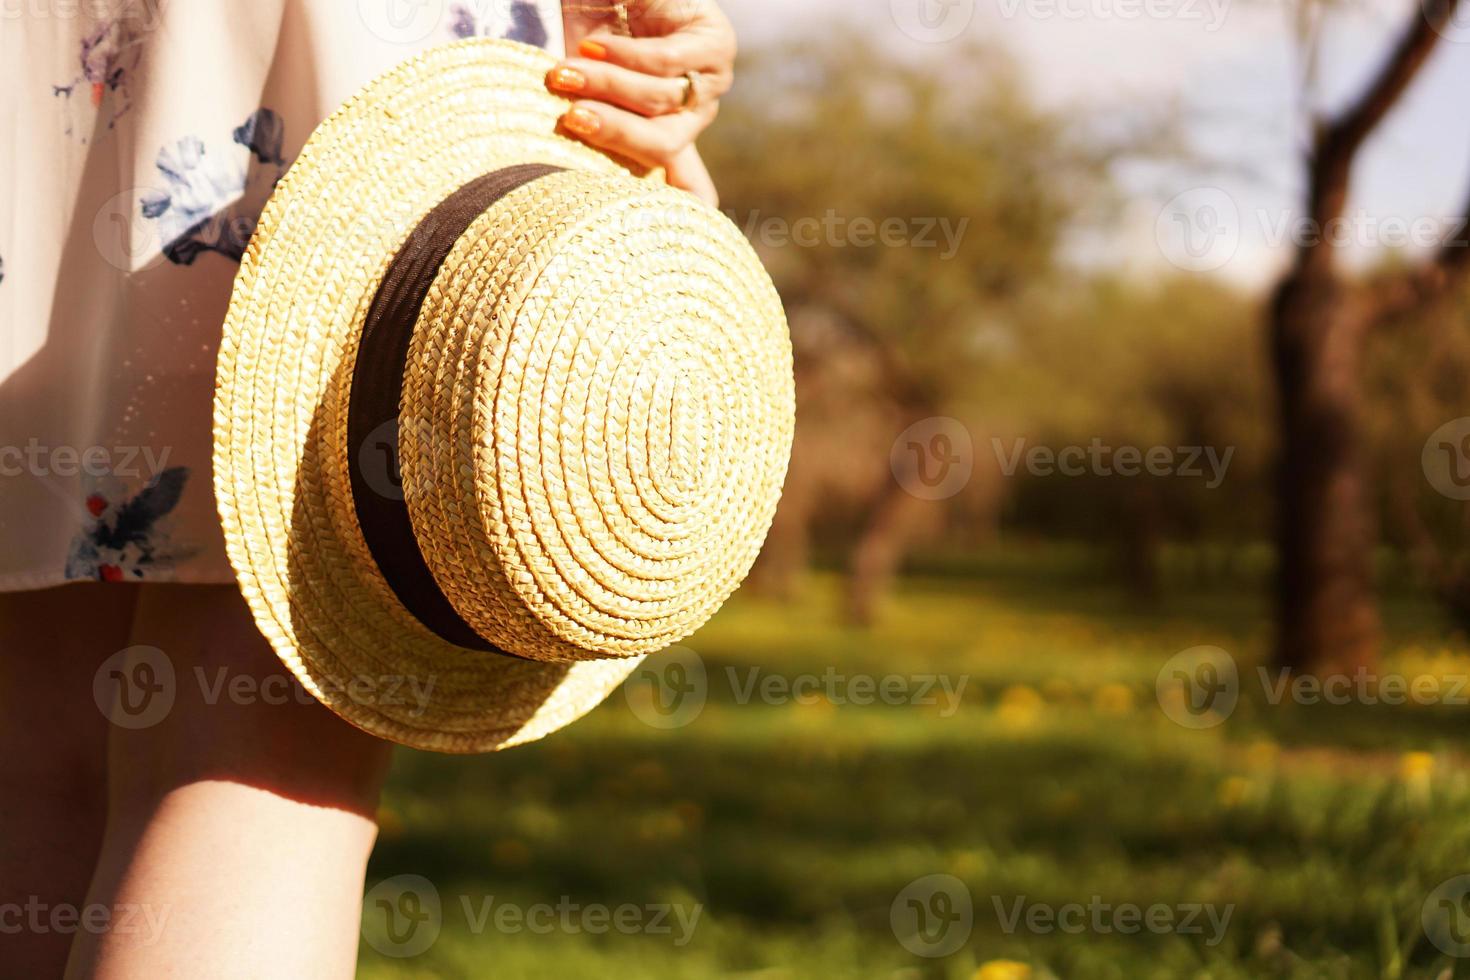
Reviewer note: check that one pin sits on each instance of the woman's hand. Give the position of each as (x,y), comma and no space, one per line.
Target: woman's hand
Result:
(631,91)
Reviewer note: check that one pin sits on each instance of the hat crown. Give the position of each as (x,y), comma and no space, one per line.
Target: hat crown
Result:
(597,417)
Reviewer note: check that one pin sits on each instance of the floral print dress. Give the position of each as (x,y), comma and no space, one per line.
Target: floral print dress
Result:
(146,137)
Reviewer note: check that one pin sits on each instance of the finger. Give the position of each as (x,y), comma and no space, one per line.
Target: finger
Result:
(655,18)
(687,170)
(711,52)
(647,95)
(652,142)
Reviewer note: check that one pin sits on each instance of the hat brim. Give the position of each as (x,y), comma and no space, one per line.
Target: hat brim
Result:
(363,181)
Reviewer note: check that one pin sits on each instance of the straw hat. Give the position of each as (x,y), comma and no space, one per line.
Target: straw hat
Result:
(589,378)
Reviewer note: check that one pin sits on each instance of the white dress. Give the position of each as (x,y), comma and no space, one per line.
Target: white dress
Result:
(142,140)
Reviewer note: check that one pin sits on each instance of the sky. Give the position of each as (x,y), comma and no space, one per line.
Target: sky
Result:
(1233,68)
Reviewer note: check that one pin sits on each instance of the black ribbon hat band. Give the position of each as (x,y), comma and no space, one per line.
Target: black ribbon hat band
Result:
(377,392)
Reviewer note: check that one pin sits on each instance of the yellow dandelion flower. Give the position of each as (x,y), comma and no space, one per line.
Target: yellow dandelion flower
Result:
(1003,970)
(1019,705)
(1416,766)
(1416,769)
(1233,791)
(968,864)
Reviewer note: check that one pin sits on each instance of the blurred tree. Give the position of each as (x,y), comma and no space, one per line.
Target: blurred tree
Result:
(1174,364)
(1418,373)
(976,187)
(1327,615)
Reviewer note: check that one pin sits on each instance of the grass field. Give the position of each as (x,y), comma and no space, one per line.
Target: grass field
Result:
(1308,838)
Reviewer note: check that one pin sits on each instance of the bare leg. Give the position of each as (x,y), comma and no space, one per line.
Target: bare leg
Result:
(240,823)
(53,750)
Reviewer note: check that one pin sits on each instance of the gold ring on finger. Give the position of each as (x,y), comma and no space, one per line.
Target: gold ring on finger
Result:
(691,90)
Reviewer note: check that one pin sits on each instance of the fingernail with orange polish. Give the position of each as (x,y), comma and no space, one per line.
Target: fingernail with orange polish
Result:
(583,122)
(565,79)
(592,49)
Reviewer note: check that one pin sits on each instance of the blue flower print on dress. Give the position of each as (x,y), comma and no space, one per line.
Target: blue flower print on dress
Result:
(108,57)
(125,541)
(213,199)
(520,22)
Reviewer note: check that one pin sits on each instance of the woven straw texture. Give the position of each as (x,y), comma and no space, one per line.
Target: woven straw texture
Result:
(595,423)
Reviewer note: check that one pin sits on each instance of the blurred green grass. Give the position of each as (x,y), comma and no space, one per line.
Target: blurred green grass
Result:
(1058,778)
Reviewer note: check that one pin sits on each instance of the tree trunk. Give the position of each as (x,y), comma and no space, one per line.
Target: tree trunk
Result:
(786,555)
(1328,617)
(1139,524)
(880,550)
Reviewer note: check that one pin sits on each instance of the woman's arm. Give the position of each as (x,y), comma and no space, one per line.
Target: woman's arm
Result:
(630,91)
